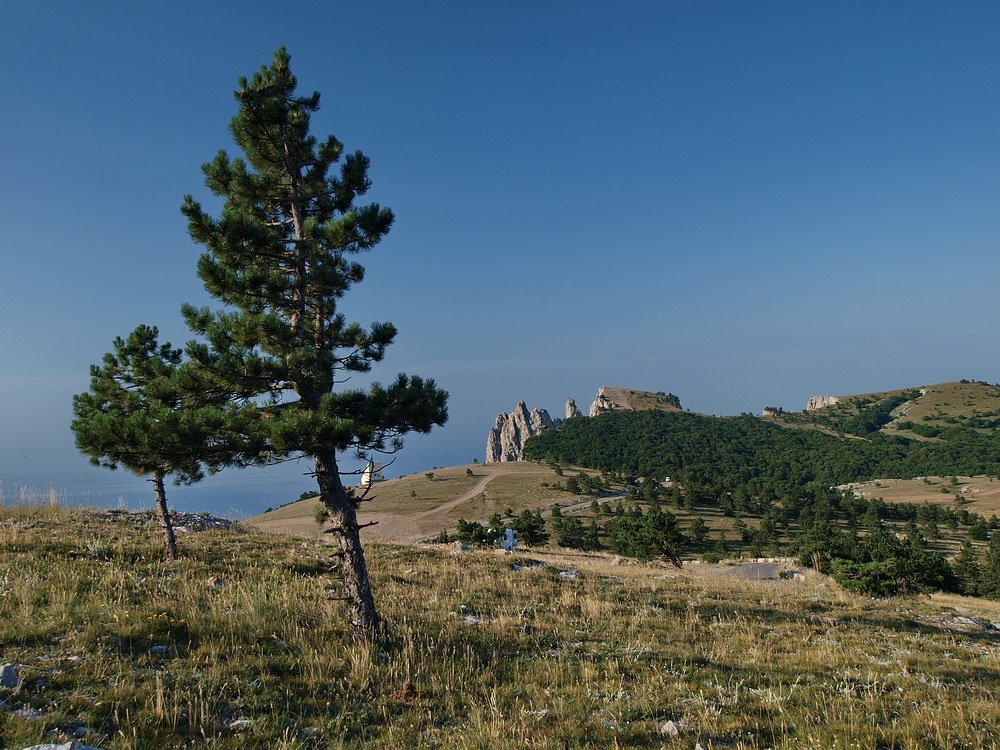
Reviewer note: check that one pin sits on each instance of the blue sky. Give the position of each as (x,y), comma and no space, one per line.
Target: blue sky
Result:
(742,203)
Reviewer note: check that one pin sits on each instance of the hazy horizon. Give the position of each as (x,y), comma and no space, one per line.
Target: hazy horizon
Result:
(741,204)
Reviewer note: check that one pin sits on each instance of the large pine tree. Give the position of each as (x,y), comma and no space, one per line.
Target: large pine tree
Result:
(280,257)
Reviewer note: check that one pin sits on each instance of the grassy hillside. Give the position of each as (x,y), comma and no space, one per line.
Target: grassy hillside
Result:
(241,644)
(964,404)
(977,494)
(859,415)
(417,507)
(923,413)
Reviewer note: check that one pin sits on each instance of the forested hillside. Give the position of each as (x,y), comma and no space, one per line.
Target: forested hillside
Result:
(730,452)
(785,480)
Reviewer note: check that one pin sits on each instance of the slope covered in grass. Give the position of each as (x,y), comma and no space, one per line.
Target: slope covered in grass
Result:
(241,644)
(419,506)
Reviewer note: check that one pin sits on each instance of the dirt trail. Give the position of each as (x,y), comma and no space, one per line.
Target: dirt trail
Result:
(426,523)
(401,526)
(476,490)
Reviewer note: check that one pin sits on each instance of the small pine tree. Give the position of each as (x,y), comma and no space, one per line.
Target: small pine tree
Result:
(979,532)
(530,528)
(570,533)
(147,412)
(967,570)
(720,544)
(592,537)
(989,578)
(699,530)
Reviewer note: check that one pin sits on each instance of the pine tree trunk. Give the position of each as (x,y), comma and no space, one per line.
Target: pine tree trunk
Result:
(169,540)
(344,524)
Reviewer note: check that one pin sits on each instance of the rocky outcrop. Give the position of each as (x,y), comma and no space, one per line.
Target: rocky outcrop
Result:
(617,399)
(822,402)
(602,403)
(508,436)
(572,410)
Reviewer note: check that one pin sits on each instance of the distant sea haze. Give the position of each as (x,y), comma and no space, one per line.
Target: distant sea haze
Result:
(232,494)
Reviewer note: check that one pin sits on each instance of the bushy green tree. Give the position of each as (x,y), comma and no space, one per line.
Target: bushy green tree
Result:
(653,535)
(699,530)
(530,528)
(967,570)
(569,532)
(592,537)
(989,579)
(884,565)
(660,536)
(146,412)
(822,542)
(979,532)
(475,534)
(280,257)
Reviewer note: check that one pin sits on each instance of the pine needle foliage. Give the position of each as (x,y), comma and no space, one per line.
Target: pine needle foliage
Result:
(146,412)
(280,257)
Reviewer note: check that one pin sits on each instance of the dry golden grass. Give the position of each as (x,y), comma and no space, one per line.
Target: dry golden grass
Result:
(478,653)
(415,507)
(628,398)
(955,399)
(978,494)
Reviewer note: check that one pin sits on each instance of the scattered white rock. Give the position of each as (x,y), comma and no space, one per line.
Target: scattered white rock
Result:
(670,729)
(608,724)
(27,714)
(472,620)
(9,677)
(972,622)
(181,521)
(71,745)
(240,725)
(539,714)
(532,565)
(567,575)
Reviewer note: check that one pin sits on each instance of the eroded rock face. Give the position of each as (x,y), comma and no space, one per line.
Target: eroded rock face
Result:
(613,398)
(821,402)
(505,441)
(601,403)
(572,410)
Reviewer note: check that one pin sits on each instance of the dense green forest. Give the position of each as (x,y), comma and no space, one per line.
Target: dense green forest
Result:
(785,480)
(726,453)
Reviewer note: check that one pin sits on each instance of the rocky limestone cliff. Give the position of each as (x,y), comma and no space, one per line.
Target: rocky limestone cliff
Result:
(572,410)
(505,441)
(822,402)
(601,403)
(616,399)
